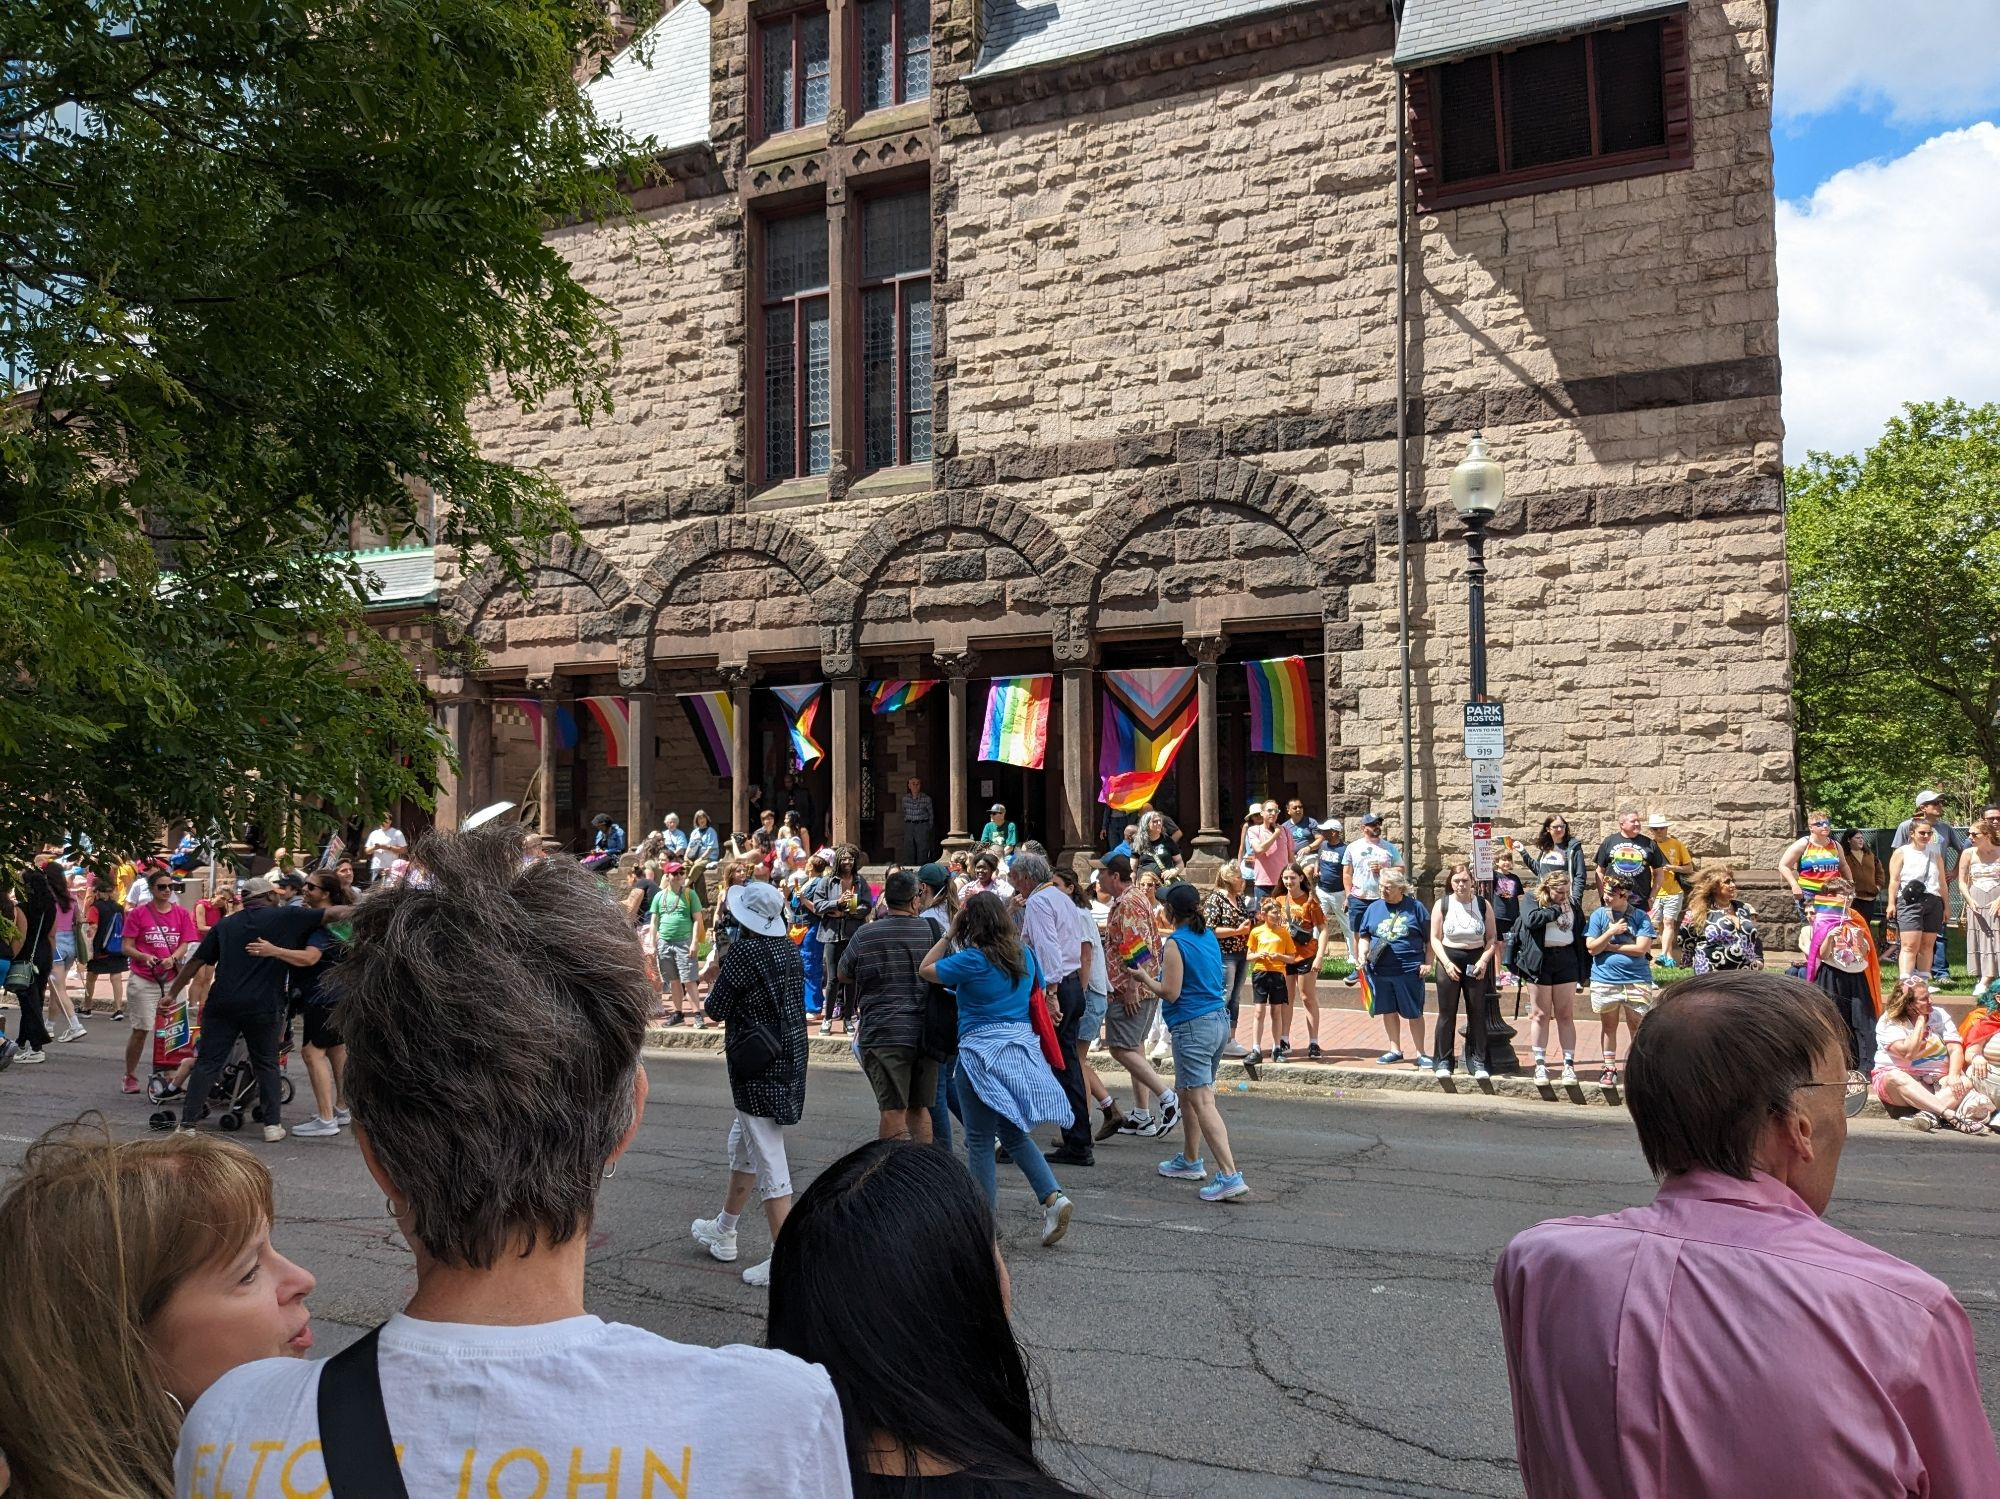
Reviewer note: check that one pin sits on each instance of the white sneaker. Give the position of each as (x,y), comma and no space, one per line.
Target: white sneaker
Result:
(1569,1074)
(758,1274)
(28,1058)
(75,1032)
(342,1118)
(721,1245)
(1055,1219)
(273,1133)
(1442,1072)
(317,1129)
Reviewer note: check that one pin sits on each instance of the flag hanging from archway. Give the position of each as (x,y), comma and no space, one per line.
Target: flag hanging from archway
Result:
(614,716)
(802,707)
(1148,715)
(896,693)
(1017,720)
(1280,706)
(712,716)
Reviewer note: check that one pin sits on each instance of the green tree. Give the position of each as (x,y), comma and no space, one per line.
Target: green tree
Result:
(1895,564)
(256,258)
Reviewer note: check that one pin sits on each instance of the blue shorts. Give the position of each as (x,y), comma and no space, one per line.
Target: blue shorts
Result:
(1356,909)
(1399,994)
(1094,1007)
(1198,1047)
(65,947)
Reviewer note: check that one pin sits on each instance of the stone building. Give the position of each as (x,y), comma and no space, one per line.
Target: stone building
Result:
(988,337)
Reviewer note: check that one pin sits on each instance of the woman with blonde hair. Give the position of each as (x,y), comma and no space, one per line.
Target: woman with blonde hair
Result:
(1979,883)
(1551,959)
(149,1274)
(1920,1063)
(1718,929)
(1917,888)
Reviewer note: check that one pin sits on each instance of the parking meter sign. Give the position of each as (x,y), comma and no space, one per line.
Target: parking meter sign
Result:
(1485,731)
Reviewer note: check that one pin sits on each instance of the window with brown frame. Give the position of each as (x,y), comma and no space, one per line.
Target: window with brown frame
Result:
(795,71)
(896,330)
(895,52)
(796,347)
(1590,108)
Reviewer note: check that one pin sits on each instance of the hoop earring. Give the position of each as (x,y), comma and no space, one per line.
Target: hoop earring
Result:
(610,1171)
(394,1207)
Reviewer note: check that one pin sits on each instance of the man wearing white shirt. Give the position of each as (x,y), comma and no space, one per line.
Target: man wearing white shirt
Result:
(1048,925)
(384,847)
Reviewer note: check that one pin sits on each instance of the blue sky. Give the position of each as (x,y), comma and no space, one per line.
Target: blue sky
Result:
(1887,158)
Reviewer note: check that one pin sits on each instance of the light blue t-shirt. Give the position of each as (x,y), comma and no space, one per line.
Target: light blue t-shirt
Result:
(1368,860)
(1618,967)
(986,996)
(1201,977)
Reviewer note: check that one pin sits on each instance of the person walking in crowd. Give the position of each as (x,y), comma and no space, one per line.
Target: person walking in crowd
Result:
(35,917)
(247,999)
(1048,926)
(1551,957)
(1920,1063)
(1619,937)
(1670,898)
(759,994)
(986,879)
(1361,879)
(919,824)
(890,1005)
(1632,857)
(155,1276)
(1004,1086)
(1096,980)
(63,955)
(1841,960)
(998,836)
(1813,862)
(104,932)
(314,999)
(1720,930)
(1557,851)
(1300,828)
(606,844)
(679,922)
(1979,888)
(937,903)
(837,904)
(1189,986)
(384,846)
(1916,899)
(1947,844)
(1867,874)
(1229,915)
(494,1018)
(1739,1090)
(1393,942)
(1270,951)
(158,938)
(1131,946)
(890,1279)
(1465,940)
(723,926)
(1304,921)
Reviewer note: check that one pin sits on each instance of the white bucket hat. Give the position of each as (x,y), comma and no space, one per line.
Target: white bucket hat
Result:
(759,908)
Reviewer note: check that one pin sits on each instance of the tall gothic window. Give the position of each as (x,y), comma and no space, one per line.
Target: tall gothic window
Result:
(795,70)
(797,348)
(896,330)
(895,52)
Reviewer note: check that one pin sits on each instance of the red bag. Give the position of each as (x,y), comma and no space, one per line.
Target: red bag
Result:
(1038,1017)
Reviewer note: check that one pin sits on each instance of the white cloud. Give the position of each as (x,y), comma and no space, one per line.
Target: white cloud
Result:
(1889,290)
(1925,60)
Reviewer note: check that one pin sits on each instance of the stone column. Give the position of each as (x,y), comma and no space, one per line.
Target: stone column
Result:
(958,666)
(454,795)
(549,694)
(641,801)
(1078,758)
(480,779)
(1207,650)
(846,695)
(739,677)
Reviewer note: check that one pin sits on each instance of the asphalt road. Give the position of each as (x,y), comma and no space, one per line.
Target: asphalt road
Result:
(1333,1334)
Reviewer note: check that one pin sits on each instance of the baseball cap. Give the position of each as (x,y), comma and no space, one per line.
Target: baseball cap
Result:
(673,866)
(1372,820)
(934,875)
(1657,820)
(257,887)
(1181,899)
(1929,796)
(1331,825)
(1118,864)
(996,807)
(291,879)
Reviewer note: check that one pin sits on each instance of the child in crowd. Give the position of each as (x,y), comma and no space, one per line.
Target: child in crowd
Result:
(1271,952)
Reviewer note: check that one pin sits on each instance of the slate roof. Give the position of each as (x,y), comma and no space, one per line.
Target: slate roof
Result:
(1028,33)
(667,100)
(398,577)
(1440,30)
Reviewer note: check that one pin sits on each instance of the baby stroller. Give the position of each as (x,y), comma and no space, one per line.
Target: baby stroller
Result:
(235,1090)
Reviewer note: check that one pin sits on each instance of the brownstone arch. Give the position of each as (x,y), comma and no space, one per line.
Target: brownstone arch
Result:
(580,615)
(690,574)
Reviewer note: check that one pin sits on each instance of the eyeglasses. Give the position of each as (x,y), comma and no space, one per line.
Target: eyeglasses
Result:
(1855,1096)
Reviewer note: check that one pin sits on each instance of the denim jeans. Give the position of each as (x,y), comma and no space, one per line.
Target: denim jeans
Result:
(946,1104)
(982,1128)
(1234,965)
(813,954)
(1070,997)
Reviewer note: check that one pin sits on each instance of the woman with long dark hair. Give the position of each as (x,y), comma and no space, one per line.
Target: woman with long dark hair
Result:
(1557,851)
(36,946)
(889,1279)
(838,904)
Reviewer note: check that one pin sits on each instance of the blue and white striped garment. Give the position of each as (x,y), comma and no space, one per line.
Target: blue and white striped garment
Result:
(1004,1065)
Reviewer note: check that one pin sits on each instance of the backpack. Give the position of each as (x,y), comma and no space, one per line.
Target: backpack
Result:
(112,943)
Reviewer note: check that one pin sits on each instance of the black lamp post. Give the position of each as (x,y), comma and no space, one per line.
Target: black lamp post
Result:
(1477,486)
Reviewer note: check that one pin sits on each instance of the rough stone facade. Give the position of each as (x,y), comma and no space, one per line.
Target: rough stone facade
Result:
(1165,284)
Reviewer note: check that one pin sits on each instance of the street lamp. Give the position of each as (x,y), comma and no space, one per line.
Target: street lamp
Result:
(1477,485)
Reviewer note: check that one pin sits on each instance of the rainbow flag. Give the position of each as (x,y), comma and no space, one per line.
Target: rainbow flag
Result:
(1135,951)
(1017,720)
(712,716)
(802,704)
(531,709)
(1132,760)
(1280,706)
(1367,987)
(614,716)
(896,693)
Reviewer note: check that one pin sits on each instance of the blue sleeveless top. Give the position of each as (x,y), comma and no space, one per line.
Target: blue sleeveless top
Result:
(1201,977)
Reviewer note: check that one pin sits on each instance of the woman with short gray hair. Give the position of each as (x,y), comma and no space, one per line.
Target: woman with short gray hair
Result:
(494,1013)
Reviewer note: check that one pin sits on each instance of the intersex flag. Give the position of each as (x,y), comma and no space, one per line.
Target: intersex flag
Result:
(712,716)
(896,693)
(802,704)
(1017,720)
(614,716)
(1280,706)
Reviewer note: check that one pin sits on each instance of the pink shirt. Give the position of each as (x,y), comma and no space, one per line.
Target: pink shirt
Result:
(1271,859)
(152,938)
(1727,1342)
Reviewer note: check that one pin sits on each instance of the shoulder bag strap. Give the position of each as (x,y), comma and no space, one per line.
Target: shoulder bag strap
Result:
(354,1438)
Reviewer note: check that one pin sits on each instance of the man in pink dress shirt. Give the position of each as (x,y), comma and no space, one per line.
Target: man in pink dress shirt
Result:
(1725,1341)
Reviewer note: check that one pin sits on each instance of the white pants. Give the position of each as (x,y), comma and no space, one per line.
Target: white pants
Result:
(757,1146)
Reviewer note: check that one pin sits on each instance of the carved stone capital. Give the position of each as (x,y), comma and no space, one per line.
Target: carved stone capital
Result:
(737,674)
(546,686)
(837,655)
(959,665)
(1072,644)
(1206,649)
(634,669)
